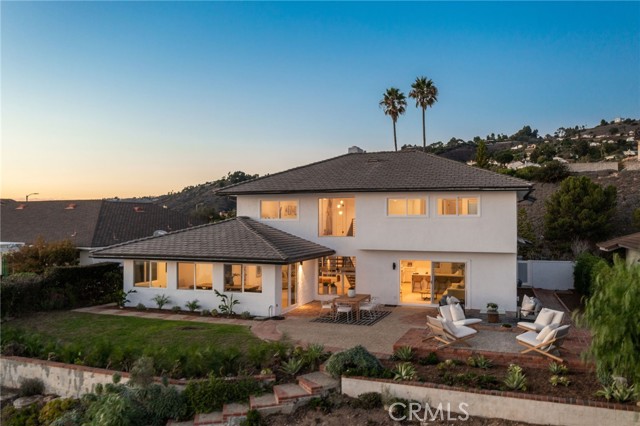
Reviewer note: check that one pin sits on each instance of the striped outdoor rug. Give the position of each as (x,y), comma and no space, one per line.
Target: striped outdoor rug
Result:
(364,320)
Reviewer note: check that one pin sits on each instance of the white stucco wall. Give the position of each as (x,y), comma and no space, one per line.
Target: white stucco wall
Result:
(493,231)
(487,244)
(256,303)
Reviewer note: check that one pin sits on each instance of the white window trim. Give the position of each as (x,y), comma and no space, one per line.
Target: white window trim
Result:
(149,286)
(279,200)
(243,291)
(194,277)
(458,215)
(406,215)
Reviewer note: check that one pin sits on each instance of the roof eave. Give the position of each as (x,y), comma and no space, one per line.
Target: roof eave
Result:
(361,190)
(216,259)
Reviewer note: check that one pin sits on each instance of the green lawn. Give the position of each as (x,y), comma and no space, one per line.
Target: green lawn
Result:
(179,348)
(90,329)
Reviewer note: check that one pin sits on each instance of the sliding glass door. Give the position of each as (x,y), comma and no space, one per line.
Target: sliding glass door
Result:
(423,281)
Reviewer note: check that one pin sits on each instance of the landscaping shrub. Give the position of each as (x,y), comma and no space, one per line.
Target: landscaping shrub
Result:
(612,315)
(30,387)
(431,359)
(254,418)
(27,416)
(142,372)
(354,361)
(56,408)
(368,401)
(62,287)
(404,353)
(585,271)
(516,379)
(209,395)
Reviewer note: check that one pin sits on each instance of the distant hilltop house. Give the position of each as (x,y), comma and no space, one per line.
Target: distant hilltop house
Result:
(408,227)
(89,224)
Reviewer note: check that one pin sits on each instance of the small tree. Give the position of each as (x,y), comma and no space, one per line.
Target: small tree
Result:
(482,158)
(613,316)
(525,231)
(41,255)
(580,209)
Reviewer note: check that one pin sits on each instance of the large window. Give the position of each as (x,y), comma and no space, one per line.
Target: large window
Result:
(195,276)
(336,217)
(406,207)
(243,278)
(278,209)
(149,274)
(336,274)
(458,206)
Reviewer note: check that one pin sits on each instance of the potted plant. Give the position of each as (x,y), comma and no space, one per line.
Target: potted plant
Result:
(333,289)
(352,291)
(492,313)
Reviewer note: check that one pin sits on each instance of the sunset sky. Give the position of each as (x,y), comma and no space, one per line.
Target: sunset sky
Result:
(104,99)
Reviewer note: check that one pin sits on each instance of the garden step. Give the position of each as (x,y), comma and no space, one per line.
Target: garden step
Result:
(262,401)
(209,419)
(317,382)
(234,410)
(289,392)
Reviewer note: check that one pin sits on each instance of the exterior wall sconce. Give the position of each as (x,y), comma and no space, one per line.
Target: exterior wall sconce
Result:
(394,266)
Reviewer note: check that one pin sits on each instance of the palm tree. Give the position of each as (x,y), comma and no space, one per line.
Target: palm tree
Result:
(394,104)
(425,94)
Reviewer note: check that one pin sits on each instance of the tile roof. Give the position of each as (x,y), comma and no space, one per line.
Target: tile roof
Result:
(631,241)
(87,223)
(409,170)
(240,239)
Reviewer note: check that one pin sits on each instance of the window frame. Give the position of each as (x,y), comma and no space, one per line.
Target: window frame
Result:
(148,272)
(280,201)
(406,200)
(320,216)
(195,276)
(242,289)
(458,199)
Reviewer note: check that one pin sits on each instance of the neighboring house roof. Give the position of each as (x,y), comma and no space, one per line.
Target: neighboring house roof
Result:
(631,241)
(240,239)
(87,223)
(408,170)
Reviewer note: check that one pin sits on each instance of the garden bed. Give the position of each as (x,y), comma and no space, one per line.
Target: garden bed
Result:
(582,385)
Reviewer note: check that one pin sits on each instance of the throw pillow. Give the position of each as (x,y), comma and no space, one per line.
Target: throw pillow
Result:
(445,311)
(545,317)
(452,300)
(545,332)
(450,327)
(457,314)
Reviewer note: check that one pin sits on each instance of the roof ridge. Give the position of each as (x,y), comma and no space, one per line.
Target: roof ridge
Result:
(247,222)
(163,235)
(284,171)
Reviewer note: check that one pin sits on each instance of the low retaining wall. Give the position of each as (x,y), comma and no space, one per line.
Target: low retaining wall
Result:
(521,407)
(66,380)
(69,380)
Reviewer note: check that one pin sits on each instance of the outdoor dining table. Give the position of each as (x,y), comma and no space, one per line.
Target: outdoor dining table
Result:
(355,301)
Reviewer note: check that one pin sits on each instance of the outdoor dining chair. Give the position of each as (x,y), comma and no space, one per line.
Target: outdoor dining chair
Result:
(343,308)
(371,308)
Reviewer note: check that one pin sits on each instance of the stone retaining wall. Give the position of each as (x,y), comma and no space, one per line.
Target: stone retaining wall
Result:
(537,409)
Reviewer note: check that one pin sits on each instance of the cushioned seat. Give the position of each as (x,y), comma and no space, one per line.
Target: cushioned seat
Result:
(448,333)
(544,318)
(448,311)
(547,340)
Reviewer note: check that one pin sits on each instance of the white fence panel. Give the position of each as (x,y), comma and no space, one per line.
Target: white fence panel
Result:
(547,274)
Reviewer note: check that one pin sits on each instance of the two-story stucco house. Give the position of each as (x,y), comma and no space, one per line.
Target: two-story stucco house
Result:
(407,227)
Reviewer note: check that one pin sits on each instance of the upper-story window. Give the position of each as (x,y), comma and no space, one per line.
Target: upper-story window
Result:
(336,217)
(458,206)
(278,209)
(406,206)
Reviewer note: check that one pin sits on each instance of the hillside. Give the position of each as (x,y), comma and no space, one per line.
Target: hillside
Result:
(627,184)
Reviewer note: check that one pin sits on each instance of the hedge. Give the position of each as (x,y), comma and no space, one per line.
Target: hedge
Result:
(63,287)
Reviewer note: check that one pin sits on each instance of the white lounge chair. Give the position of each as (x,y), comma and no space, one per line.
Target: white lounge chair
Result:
(448,333)
(544,318)
(547,340)
(455,314)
